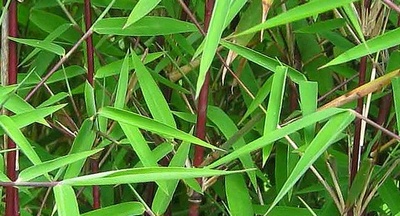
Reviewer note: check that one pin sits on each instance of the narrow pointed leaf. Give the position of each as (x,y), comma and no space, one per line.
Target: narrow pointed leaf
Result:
(211,42)
(122,86)
(12,130)
(321,142)
(274,106)
(141,9)
(83,142)
(277,134)
(228,129)
(396,99)
(161,199)
(141,148)
(263,60)
(44,45)
(147,26)
(139,121)
(122,209)
(237,194)
(309,9)
(66,202)
(45,167)
(376,44)
(140,175)
(153,96)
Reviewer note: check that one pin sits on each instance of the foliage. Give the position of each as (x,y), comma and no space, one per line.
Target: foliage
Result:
(282,118)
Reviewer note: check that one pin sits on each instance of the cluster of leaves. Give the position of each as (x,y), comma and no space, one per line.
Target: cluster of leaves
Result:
(272,148)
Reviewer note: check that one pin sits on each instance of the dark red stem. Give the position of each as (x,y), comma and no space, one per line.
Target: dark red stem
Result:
(90,65)
(359,109)
(12,202)
(89,42)
(354,161)
(201,117)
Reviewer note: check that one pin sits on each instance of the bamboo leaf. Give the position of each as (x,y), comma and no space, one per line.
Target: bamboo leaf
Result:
(139,175)
(309,9)
(239,200)
(263,60)
(262,93)
(321,142)
(141,148)
(66,200)
(376,44)
(277,134)
(228,129)
(274,106)
(12,130)
(396,99)
(153,96)
(139,121)
(45,167)
(141,9)
(161,199)
(146,26)
(115,67)
(89,99)
(308,99)
(44,45)
(122,86)
(211,41)
(122,209)
(83,142)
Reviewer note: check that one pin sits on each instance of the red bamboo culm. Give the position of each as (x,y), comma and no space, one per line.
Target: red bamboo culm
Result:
(201,118)
(90,74)
(12,202)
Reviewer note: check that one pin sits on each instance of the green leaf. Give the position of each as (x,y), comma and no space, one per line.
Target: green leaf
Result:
(389,194)
(139,145)
(396,99)
(44,45)
(139,121)
(66,200)
(228,129)
(12,130)
(122,209)
(141,9)
(140,175)
(161,199)
(322,26)
(51,37)
(147,26)
(18,105)
(26,118)
(152,94)
(378,43)
(122,86)
(321,142)
(274,106)
(259,98)
(237,194)
(353,16)
(45,167)
(308,103)
(59,75)
(89,99)
(53,99)
(83,142)
(115,67)
(213,36)
(263,60)
(278,134)
(361,180)
(309,9)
